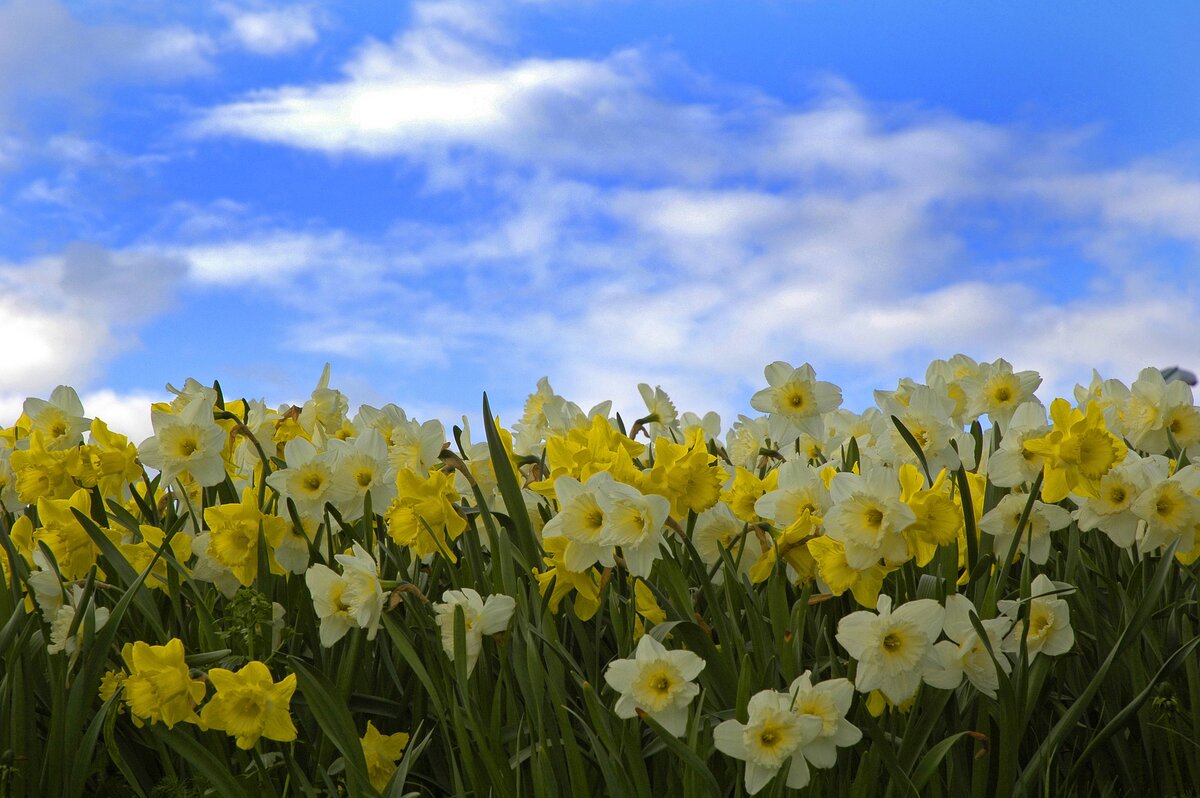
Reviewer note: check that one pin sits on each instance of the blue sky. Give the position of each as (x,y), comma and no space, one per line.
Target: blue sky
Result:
(443,198)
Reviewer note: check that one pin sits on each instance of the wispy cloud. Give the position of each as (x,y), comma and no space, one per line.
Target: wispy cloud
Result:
(270,31)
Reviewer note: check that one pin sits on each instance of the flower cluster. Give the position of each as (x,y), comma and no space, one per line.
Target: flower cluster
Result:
(928,535)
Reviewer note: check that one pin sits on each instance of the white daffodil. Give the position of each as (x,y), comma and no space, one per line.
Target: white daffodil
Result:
(927,417)
(1152,402)
(187,441)
(799,490)
(717,529)
(479,618)
(326,407)
(868,518)
(828,701)
(351,599)
(634,522)
(309,479)
(965,654)
(361,466)
(709,426)
(948,377)
(745,440)
(664,418)
(1111,511)
(656,681)
(1002,521)
(580,520)
(795,400)
(894,650)
(1012,464)
(59,420)
(1050,631)
(998,391)
(1171,510)
(60,627)
(773,737)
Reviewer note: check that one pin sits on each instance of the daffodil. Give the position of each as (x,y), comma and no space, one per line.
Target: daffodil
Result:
(1171,509)
(584,584)
(1049,631)
(72,546)
(1014,463)
(1111,510)
(423,516)
(998,391)
(361,466)
(662,417)
(657,682)
(479,618)
(61,639)
(348,600)
(1077,452)
(580,521)
(59,420)
(718,529)
(828,701)
(894,649)
(309,479)
(868,518)
(772,738)
(249,705)
(1003,519)
(188,441)
(382,752)
(159,687)
(965,653)
(794,400)
(634,522)
(234,535)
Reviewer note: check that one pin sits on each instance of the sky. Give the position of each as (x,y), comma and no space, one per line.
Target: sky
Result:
(447,198)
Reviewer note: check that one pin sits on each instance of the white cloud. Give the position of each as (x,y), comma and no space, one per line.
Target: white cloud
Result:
(270,31)
(45,50)
(62,318)
(270,258)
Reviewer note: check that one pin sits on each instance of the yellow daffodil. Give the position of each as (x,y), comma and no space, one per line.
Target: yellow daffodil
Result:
(159,687)
(1077,452)
(249,704)
(382,752)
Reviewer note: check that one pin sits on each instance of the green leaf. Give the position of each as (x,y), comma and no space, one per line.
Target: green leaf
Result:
(334,719)
(215,771)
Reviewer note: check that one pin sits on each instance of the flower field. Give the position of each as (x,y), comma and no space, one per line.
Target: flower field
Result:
(958,592)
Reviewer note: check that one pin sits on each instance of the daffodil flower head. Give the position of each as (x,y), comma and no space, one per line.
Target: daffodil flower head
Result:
(894,649)
(634,522)
(249,704)
(351,599)
(188,441)
(1049,629)
(773,737)
(795,400)
(828,701)
(657,682)
(580,520)
(60,420)
(382,752)
(479,618)
(159,687)
(965,653)
(1077,452)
